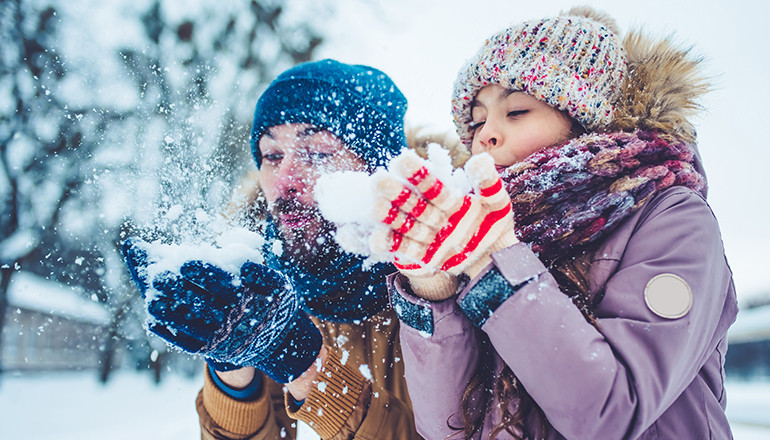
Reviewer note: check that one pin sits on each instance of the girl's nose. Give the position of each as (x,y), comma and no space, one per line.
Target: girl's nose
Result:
(490,136)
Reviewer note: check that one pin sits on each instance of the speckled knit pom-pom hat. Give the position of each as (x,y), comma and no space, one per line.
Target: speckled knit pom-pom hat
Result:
(574,62)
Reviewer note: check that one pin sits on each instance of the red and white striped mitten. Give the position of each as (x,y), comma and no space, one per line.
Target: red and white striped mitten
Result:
(435,233)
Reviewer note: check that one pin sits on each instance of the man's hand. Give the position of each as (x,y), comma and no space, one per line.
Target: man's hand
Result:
(301,386)
(239,378)
(252,319)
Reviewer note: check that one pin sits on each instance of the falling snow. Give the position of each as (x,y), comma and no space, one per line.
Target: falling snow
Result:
(364,369)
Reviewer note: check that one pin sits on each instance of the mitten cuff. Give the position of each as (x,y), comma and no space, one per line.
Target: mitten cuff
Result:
(296,353)
(505,241)
(438,287)
(236,416)
(332,399)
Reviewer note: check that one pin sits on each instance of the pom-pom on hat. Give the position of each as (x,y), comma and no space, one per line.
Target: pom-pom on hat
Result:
(572,62)
(359,104)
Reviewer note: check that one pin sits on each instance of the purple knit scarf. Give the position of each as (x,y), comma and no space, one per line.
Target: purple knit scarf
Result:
(567,197)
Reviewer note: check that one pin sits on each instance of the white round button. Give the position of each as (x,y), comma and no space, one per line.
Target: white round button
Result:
(668,296)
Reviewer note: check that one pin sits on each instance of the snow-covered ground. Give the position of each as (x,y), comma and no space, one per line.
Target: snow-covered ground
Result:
(73,406)
(748,407)
(68,406)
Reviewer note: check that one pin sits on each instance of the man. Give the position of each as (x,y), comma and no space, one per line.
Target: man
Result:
(315,118)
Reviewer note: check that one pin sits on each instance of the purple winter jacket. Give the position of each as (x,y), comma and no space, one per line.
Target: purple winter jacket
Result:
(639,376)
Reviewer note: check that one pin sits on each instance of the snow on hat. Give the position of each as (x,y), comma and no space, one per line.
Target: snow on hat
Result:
(573,62)
(359,104)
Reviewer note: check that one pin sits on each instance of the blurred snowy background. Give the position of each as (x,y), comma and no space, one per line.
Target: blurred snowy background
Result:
(126,115)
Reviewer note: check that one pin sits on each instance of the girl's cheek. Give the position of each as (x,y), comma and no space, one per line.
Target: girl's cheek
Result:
(475,147)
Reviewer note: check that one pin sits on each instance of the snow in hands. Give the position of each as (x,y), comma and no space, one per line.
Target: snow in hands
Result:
(414,212)
(230,250)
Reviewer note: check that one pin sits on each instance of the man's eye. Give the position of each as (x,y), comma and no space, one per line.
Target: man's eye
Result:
(272,158)
(319,157)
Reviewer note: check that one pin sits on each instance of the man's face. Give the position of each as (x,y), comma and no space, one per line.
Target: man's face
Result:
(293,157)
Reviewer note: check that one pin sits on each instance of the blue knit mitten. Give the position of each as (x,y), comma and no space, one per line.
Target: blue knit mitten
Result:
(233,321)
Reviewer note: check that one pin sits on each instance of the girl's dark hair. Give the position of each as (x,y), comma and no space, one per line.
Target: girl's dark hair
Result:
(571,274)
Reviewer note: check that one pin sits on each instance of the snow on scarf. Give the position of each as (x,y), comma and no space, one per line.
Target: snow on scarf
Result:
(573,195)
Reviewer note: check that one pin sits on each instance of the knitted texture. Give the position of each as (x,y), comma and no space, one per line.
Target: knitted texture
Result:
(576,194)
(359,104)
(572,63)
(333,398)
(253,319)
(345,289)
(438,287)
(490,291)
(432,227)
(417,315)
(238,417)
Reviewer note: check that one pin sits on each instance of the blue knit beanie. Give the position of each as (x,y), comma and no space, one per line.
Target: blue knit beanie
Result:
(359,104)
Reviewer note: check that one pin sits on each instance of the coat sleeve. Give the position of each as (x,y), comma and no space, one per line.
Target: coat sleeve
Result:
(440,349)
(344,405)
(623,374)
(222,417)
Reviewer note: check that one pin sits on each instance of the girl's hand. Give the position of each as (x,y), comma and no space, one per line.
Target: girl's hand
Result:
(433,231)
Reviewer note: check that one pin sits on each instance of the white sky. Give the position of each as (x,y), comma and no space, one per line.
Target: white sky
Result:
(422,44)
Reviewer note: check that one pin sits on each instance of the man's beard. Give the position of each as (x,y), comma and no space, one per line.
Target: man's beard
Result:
(312,246)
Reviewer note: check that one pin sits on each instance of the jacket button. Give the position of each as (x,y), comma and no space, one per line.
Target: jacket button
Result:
(668,296)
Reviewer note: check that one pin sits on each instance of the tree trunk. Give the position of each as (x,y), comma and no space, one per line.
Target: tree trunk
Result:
(5,281)
(111,344)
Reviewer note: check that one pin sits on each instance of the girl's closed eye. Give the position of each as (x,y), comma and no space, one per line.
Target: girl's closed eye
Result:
(517,113)
(476,125)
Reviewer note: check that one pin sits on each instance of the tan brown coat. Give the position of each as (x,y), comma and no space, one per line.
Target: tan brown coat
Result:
(351,405)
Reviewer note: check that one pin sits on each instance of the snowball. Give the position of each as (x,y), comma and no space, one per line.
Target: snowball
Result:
(439,162)
(345,197)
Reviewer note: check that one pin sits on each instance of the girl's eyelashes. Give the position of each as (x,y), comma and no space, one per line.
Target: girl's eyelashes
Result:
(516,113)
(475,125)
(511,114)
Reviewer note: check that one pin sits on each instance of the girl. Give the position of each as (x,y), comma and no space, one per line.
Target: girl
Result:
(604,316)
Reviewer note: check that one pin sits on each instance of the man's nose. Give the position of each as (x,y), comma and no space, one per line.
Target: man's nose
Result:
(289,179)
(292,176)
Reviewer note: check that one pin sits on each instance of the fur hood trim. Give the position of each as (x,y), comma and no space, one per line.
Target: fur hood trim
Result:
(419,141)
(662,89)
